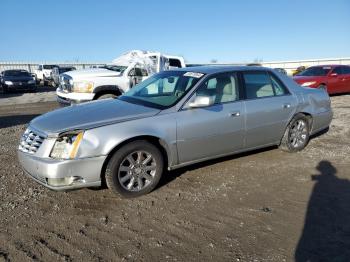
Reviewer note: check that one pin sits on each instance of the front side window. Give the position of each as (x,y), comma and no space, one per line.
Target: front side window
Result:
(224,87)
(341,70)
(162,90)
(257,85)
(346,70)
(338,70)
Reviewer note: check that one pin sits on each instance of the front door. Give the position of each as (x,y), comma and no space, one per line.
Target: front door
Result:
(214,130)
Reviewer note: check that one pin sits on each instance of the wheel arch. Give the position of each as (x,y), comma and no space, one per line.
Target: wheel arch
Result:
(156,141)
(306,114)
(107,89)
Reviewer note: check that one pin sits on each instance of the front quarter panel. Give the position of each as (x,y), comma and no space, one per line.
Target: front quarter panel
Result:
(102,140)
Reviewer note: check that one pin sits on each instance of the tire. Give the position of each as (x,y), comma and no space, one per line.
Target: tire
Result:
(105,96)
(128,173)
(322,86)
(297,135)
(45,82)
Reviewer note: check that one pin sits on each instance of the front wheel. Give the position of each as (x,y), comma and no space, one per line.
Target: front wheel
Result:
(323,86)
(297,134)
(135,169)
(105,96)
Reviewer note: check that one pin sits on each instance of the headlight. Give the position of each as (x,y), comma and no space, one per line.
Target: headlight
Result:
(8,83)
(67,145)
(308,83)
(83,87)
(31,82)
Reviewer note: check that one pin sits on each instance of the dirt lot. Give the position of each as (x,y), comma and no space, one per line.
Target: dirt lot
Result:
(262,206)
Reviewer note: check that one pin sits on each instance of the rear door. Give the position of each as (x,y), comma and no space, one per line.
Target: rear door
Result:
(345,79)
(269,106)
(214,130)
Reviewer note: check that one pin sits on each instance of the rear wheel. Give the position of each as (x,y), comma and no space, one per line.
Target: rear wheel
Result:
(135,169)
(297,134)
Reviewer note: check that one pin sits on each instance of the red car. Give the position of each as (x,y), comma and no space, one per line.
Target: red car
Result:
(335,78)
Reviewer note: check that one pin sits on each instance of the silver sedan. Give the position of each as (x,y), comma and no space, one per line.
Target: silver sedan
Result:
(173,119)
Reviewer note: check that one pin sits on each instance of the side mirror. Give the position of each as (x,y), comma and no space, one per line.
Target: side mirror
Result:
(334,74)
(201,101)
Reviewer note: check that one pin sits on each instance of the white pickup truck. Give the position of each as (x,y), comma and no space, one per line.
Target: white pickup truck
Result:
(43,73)
(114,79)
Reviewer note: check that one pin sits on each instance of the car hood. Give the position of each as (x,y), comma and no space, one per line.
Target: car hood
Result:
(90,115)
(94,72)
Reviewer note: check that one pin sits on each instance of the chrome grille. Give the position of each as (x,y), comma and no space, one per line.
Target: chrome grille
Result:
(65,83)
(30,142)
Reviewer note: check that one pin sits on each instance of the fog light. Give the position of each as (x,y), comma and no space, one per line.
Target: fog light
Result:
(65,181)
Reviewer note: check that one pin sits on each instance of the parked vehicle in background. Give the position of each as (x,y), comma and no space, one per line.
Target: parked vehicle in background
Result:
(281,70)
(298,70)
(17,80)
(113,80)
(173,119)
(56,71)
(334,78)
(43,73)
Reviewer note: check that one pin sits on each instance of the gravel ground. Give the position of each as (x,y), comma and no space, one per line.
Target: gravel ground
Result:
(43,94)
(262,206)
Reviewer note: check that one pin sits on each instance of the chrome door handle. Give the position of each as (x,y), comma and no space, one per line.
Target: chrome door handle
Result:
(286,106)
(235,114)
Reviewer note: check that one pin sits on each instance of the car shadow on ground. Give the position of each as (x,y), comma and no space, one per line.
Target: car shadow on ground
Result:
(169,176)
(326,233)
(8,121)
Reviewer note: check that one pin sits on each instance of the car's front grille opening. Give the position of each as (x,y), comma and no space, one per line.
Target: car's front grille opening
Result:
(30,142)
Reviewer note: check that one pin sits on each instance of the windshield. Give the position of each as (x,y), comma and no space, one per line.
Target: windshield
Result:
(116,68)
(16,73)
(162,90)
(65,69)
(315,71)
(49,66)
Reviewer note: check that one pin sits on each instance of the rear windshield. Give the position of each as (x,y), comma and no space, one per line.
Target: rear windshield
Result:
(316,71)
(16,73)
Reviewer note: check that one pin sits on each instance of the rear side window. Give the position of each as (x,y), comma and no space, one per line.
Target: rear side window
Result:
(280,89)
(257,85)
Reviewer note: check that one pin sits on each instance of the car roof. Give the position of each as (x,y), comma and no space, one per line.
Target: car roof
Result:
(221,69)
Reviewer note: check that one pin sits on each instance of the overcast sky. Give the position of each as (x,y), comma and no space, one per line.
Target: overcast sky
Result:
(228,31)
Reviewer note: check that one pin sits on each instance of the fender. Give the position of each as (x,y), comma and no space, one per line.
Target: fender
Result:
(108,88)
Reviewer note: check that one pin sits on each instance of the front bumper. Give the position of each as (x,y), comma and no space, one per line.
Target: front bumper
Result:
(17,87)
(73,98)
(88,170)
